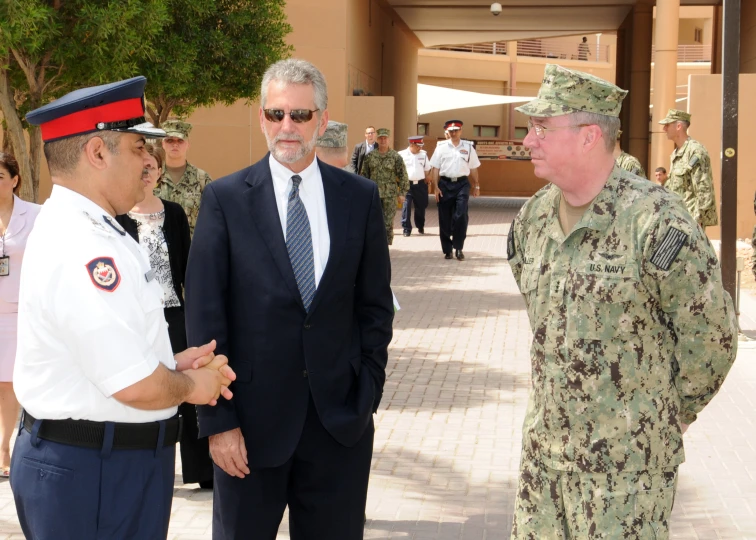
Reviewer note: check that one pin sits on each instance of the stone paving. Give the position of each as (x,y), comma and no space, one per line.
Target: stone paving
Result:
(447,441)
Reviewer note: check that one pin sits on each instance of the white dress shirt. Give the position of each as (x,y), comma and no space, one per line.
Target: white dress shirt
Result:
(313,197)
(368,147)
(416,164)
(455,161)
(82,337)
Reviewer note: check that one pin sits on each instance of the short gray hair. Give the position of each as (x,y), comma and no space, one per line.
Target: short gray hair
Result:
(63,155)
(609,126)
(295,71)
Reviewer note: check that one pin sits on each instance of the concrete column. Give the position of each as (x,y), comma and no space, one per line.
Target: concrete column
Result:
(512,54)
(640,84)
(665,77)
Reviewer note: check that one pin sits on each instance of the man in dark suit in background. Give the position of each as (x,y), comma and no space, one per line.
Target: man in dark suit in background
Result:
(363,149)
(289,270)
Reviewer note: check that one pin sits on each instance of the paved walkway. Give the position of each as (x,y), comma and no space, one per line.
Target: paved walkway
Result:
(447,443)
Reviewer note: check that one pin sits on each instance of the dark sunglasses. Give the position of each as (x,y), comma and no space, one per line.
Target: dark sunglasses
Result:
(298,116)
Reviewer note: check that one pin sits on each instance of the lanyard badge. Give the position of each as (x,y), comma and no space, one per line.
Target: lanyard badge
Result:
(4,266)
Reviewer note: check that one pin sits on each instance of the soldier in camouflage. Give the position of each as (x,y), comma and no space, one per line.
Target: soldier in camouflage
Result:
(181,182)
(331,147)
(385,167)
(633,331)
(690,170)
(627,162)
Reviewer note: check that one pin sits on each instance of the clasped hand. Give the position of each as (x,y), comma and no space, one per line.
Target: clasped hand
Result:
(209,372)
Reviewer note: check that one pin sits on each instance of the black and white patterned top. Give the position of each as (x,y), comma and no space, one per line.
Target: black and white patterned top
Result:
(152,238)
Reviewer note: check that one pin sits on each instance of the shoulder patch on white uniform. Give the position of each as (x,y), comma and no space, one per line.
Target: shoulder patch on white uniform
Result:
(670,246)
(104,273)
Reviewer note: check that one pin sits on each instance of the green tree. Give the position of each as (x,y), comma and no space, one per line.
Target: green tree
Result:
(213,51)
(50,47)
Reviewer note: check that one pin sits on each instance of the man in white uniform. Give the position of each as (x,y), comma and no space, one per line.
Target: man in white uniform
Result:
(417,163)
(455,165)
(94,372)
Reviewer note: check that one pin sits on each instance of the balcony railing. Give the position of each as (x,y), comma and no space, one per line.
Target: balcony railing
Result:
(497,47)
(565,50)
(689,53)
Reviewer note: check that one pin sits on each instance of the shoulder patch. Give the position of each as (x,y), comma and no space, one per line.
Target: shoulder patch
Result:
(511,252)
(667,251)
(104,273)
(693,161)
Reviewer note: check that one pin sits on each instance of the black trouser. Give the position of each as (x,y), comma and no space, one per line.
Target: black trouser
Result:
(324,484)
(452,212)
(196,465)
(417,195)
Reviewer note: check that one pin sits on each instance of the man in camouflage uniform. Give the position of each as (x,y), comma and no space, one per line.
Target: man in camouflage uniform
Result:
(331,147)
(690,170)
(181,181)
(385,167)
(626,161)
(633,331)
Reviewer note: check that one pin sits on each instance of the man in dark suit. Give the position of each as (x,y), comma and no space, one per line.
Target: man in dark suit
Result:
(289,270)
(363,149)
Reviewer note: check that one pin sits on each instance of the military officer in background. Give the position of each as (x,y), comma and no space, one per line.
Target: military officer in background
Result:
(385,167)
(690,170)
(331,147)
(626,161)
(661,175)
(628,345)
(94,372)
(181,181)
(455,166)
(418,165)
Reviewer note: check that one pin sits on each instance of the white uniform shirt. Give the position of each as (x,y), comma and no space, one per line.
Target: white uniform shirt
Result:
(313,197)
(417,164)
(85,330)
(455,161)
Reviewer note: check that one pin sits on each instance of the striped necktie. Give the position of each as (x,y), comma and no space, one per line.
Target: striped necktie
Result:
(299,244)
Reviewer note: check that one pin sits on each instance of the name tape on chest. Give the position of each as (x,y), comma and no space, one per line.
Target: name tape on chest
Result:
(669,248)
(104,273)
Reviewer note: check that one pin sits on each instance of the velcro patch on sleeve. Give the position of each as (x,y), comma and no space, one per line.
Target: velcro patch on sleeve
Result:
(667,251)
(104,273)
(511,244)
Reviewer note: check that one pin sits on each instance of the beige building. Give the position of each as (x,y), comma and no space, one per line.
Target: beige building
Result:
(666,52)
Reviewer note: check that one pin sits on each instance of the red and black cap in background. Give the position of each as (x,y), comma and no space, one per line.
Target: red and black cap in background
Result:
(117,106)
(452,125)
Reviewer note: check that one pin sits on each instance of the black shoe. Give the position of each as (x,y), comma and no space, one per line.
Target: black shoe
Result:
(421,231)
(460,256)
(206,484)
(407,233)
(447,256)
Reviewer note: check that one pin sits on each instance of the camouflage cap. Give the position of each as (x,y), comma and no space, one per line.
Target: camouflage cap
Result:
(566,91)
(335,136)
(383,132)
(675,115)
(177,128)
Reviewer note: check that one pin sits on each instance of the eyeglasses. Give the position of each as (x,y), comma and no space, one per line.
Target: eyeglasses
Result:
(540,130)
(298,116)
(370,133)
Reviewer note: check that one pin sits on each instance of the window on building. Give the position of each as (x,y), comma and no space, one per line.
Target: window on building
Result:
(698,35)
(422,129)
(490,132)
(520,133)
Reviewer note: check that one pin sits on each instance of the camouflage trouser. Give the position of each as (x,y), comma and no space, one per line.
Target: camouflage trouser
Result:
(389,211)
(563,505)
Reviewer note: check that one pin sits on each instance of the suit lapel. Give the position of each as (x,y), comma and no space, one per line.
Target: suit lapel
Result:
(261,201)
(337,212)
(18,218)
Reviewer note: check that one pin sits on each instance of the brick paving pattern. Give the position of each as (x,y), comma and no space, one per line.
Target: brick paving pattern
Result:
(448,436)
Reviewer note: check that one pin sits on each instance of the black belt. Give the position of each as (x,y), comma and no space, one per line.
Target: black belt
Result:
(417,181)
(91,434)
(457,179)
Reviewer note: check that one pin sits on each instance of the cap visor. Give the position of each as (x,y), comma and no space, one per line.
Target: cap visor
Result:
(667,121)
(145,129)
(544,109)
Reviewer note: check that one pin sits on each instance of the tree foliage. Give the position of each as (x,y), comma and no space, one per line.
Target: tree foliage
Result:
(193,53)
(213,51)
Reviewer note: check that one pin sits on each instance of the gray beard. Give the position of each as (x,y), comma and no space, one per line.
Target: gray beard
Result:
(290,156)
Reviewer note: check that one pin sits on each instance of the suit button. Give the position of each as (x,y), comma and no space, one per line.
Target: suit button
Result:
(307,326)
(304,374)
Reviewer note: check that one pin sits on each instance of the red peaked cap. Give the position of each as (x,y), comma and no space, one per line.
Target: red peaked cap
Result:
(453,124)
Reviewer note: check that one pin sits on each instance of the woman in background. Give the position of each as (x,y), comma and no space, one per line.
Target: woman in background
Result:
(17,218)
(162,228)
